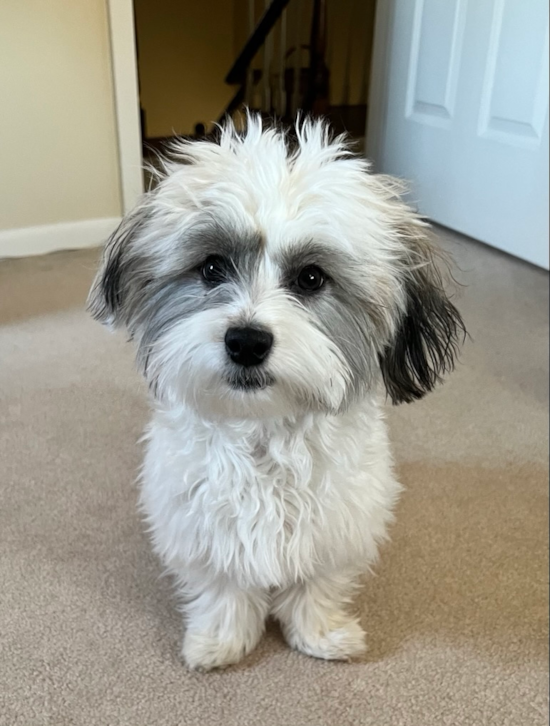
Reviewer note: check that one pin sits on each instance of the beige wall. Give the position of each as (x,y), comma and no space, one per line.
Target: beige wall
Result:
(58,151)
(185,50)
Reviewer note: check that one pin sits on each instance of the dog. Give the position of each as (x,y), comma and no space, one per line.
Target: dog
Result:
(274,287)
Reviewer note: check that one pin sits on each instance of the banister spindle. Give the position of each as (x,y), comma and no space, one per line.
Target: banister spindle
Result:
(297,70)
(282,66)
(266,73)
(249,83)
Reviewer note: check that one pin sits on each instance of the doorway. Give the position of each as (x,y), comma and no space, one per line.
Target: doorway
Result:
(171,62)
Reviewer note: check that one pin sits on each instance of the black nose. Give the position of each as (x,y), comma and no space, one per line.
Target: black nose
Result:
(248,346)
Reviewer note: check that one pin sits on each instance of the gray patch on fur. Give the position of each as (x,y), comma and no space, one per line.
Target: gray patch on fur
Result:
(344,319)
(167,300)
(341,309)
(130,289)
(210,238)
(119,270)
(170,303)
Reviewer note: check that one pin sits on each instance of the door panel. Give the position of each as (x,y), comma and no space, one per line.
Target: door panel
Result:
(436,45)
(514,103)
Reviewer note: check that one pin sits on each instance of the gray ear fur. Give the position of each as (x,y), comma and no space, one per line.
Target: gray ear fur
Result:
(110,288)
(429,334)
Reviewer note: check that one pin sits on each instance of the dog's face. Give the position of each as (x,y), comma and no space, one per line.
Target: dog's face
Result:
(259,280)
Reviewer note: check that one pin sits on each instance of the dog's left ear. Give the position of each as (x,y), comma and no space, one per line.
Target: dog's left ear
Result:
(430,330)
(112,286)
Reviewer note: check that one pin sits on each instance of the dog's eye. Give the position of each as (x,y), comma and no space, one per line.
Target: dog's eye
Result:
(214,270)
(311,279)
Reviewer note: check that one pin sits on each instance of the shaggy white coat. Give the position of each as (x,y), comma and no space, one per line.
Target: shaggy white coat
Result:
(274,500)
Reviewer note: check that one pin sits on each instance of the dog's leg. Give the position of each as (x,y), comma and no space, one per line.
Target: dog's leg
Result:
(224,623)
(315,619)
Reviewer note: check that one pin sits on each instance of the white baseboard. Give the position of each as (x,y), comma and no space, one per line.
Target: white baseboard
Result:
(27,241)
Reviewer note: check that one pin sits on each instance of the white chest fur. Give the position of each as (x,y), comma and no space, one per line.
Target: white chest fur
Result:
(268,503)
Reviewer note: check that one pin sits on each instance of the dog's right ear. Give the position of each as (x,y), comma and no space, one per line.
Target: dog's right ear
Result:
(109,292)
(431,330)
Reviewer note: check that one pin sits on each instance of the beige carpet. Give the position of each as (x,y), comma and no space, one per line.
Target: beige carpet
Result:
(456,616)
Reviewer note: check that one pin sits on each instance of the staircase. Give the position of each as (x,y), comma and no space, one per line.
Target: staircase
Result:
(307,56)
(283,67)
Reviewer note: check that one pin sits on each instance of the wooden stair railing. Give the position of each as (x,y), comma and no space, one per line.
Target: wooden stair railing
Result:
(311,99)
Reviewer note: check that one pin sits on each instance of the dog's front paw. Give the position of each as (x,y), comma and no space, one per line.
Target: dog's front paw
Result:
(204,652)
(343,643)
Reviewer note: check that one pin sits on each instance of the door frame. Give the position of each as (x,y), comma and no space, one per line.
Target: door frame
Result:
(378,92)
(126,98)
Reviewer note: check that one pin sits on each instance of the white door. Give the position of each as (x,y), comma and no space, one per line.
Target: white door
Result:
(459,106)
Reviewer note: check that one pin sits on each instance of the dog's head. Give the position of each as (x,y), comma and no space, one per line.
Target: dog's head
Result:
(263,278)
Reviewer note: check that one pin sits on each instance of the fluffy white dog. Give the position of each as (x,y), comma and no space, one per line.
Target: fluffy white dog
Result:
(273,287)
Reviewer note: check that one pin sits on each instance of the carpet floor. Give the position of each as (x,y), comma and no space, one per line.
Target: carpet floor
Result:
(456,614)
